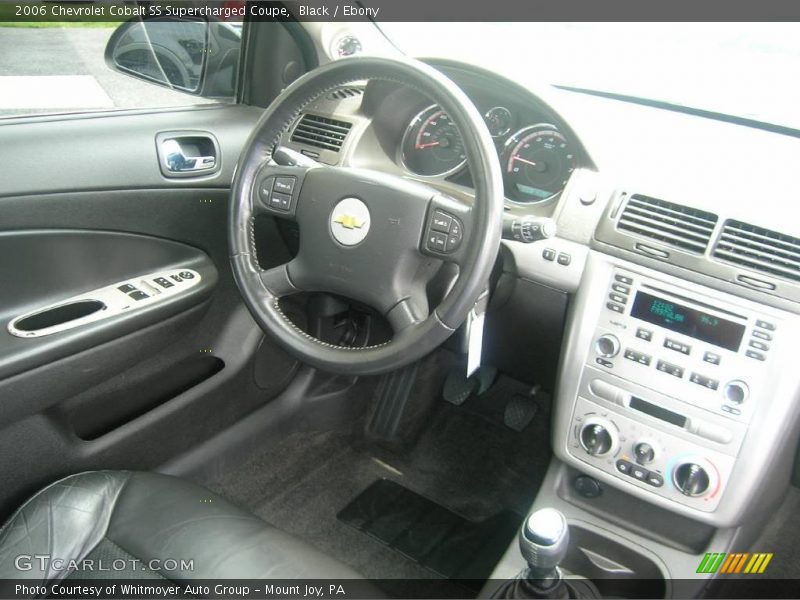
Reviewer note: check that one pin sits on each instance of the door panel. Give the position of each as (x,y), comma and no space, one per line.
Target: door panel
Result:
(83,204)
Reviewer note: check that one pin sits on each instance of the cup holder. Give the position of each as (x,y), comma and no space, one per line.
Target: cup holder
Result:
(58,315)
(617,570)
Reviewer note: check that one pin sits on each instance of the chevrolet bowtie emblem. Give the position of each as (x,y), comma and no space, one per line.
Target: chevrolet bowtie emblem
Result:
(349,221)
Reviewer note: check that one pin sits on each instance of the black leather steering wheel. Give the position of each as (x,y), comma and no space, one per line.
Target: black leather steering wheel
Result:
(366,235)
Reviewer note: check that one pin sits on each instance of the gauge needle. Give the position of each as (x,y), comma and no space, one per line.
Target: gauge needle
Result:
(428,145)
(527,162)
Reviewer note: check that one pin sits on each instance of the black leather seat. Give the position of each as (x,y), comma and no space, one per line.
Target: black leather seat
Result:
(111,515)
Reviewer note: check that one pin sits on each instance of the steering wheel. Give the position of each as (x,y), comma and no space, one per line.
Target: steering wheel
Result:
(369,236)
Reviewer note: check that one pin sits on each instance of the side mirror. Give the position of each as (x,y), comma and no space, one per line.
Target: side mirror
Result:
(190,55)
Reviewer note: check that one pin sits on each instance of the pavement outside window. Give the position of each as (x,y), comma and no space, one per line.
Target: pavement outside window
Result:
(61,68)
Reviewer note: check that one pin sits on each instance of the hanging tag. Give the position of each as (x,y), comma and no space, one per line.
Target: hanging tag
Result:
(474,333)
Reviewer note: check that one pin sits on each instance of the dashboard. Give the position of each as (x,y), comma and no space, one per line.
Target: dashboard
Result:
(394,129)
(674,241)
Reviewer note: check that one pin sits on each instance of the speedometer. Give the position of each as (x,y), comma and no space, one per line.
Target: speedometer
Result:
(537,163)
(432,145)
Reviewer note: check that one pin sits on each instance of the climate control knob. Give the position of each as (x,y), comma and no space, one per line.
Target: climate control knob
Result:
(644,452)
(691,479)
(598,437)
(607,345)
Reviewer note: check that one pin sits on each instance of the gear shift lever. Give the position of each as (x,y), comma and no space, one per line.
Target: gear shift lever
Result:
(543,542)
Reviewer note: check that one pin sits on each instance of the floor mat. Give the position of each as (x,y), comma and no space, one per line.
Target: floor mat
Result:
(430,534)
(464,459)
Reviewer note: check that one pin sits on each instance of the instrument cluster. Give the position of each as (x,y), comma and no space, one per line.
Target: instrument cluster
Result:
(537,159)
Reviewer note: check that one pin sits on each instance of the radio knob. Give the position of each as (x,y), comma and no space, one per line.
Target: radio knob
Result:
(644,453)
(691,479)
(736,392)
(598,437)
(607,345)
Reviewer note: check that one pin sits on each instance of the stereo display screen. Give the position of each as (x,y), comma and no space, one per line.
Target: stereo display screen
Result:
(688,321)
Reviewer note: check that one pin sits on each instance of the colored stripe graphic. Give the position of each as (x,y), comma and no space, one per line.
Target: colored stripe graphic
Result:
(734,563)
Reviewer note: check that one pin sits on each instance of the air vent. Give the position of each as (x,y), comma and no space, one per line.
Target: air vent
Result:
(344,93)
(759,249)
(673,224)
(321,132)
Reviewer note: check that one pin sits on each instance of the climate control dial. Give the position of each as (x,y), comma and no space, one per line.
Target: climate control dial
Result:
(599,437)
(644,452)
(694,476)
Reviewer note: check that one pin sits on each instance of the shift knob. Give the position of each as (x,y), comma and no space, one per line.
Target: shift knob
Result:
(544,539)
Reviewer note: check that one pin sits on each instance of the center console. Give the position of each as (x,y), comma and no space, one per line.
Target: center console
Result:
(676,393)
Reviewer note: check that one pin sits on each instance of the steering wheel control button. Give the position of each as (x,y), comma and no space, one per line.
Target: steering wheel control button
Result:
(280,201)
(441,221)
(444,232)
(712,358)
(437,242)
(284,185)
(350,222)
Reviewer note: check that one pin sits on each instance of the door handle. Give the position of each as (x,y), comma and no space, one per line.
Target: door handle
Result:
(176,160)
(187,153)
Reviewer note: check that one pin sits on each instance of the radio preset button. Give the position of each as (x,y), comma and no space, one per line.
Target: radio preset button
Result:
(644,334)
(711,384)
(762,335)
(622,289)
(618,298)
(639,357)
(615,307)
(754,354)
(759,345)
(765,325)
(677,346)
(711,357)
(623,279)
(669,368)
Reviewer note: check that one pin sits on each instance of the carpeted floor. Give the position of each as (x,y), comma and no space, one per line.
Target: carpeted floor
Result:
(464,459)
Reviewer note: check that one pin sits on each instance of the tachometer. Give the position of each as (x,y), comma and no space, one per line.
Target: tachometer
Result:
(432,145)
(537,163)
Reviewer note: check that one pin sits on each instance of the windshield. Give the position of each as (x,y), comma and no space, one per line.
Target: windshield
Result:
(742,69)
